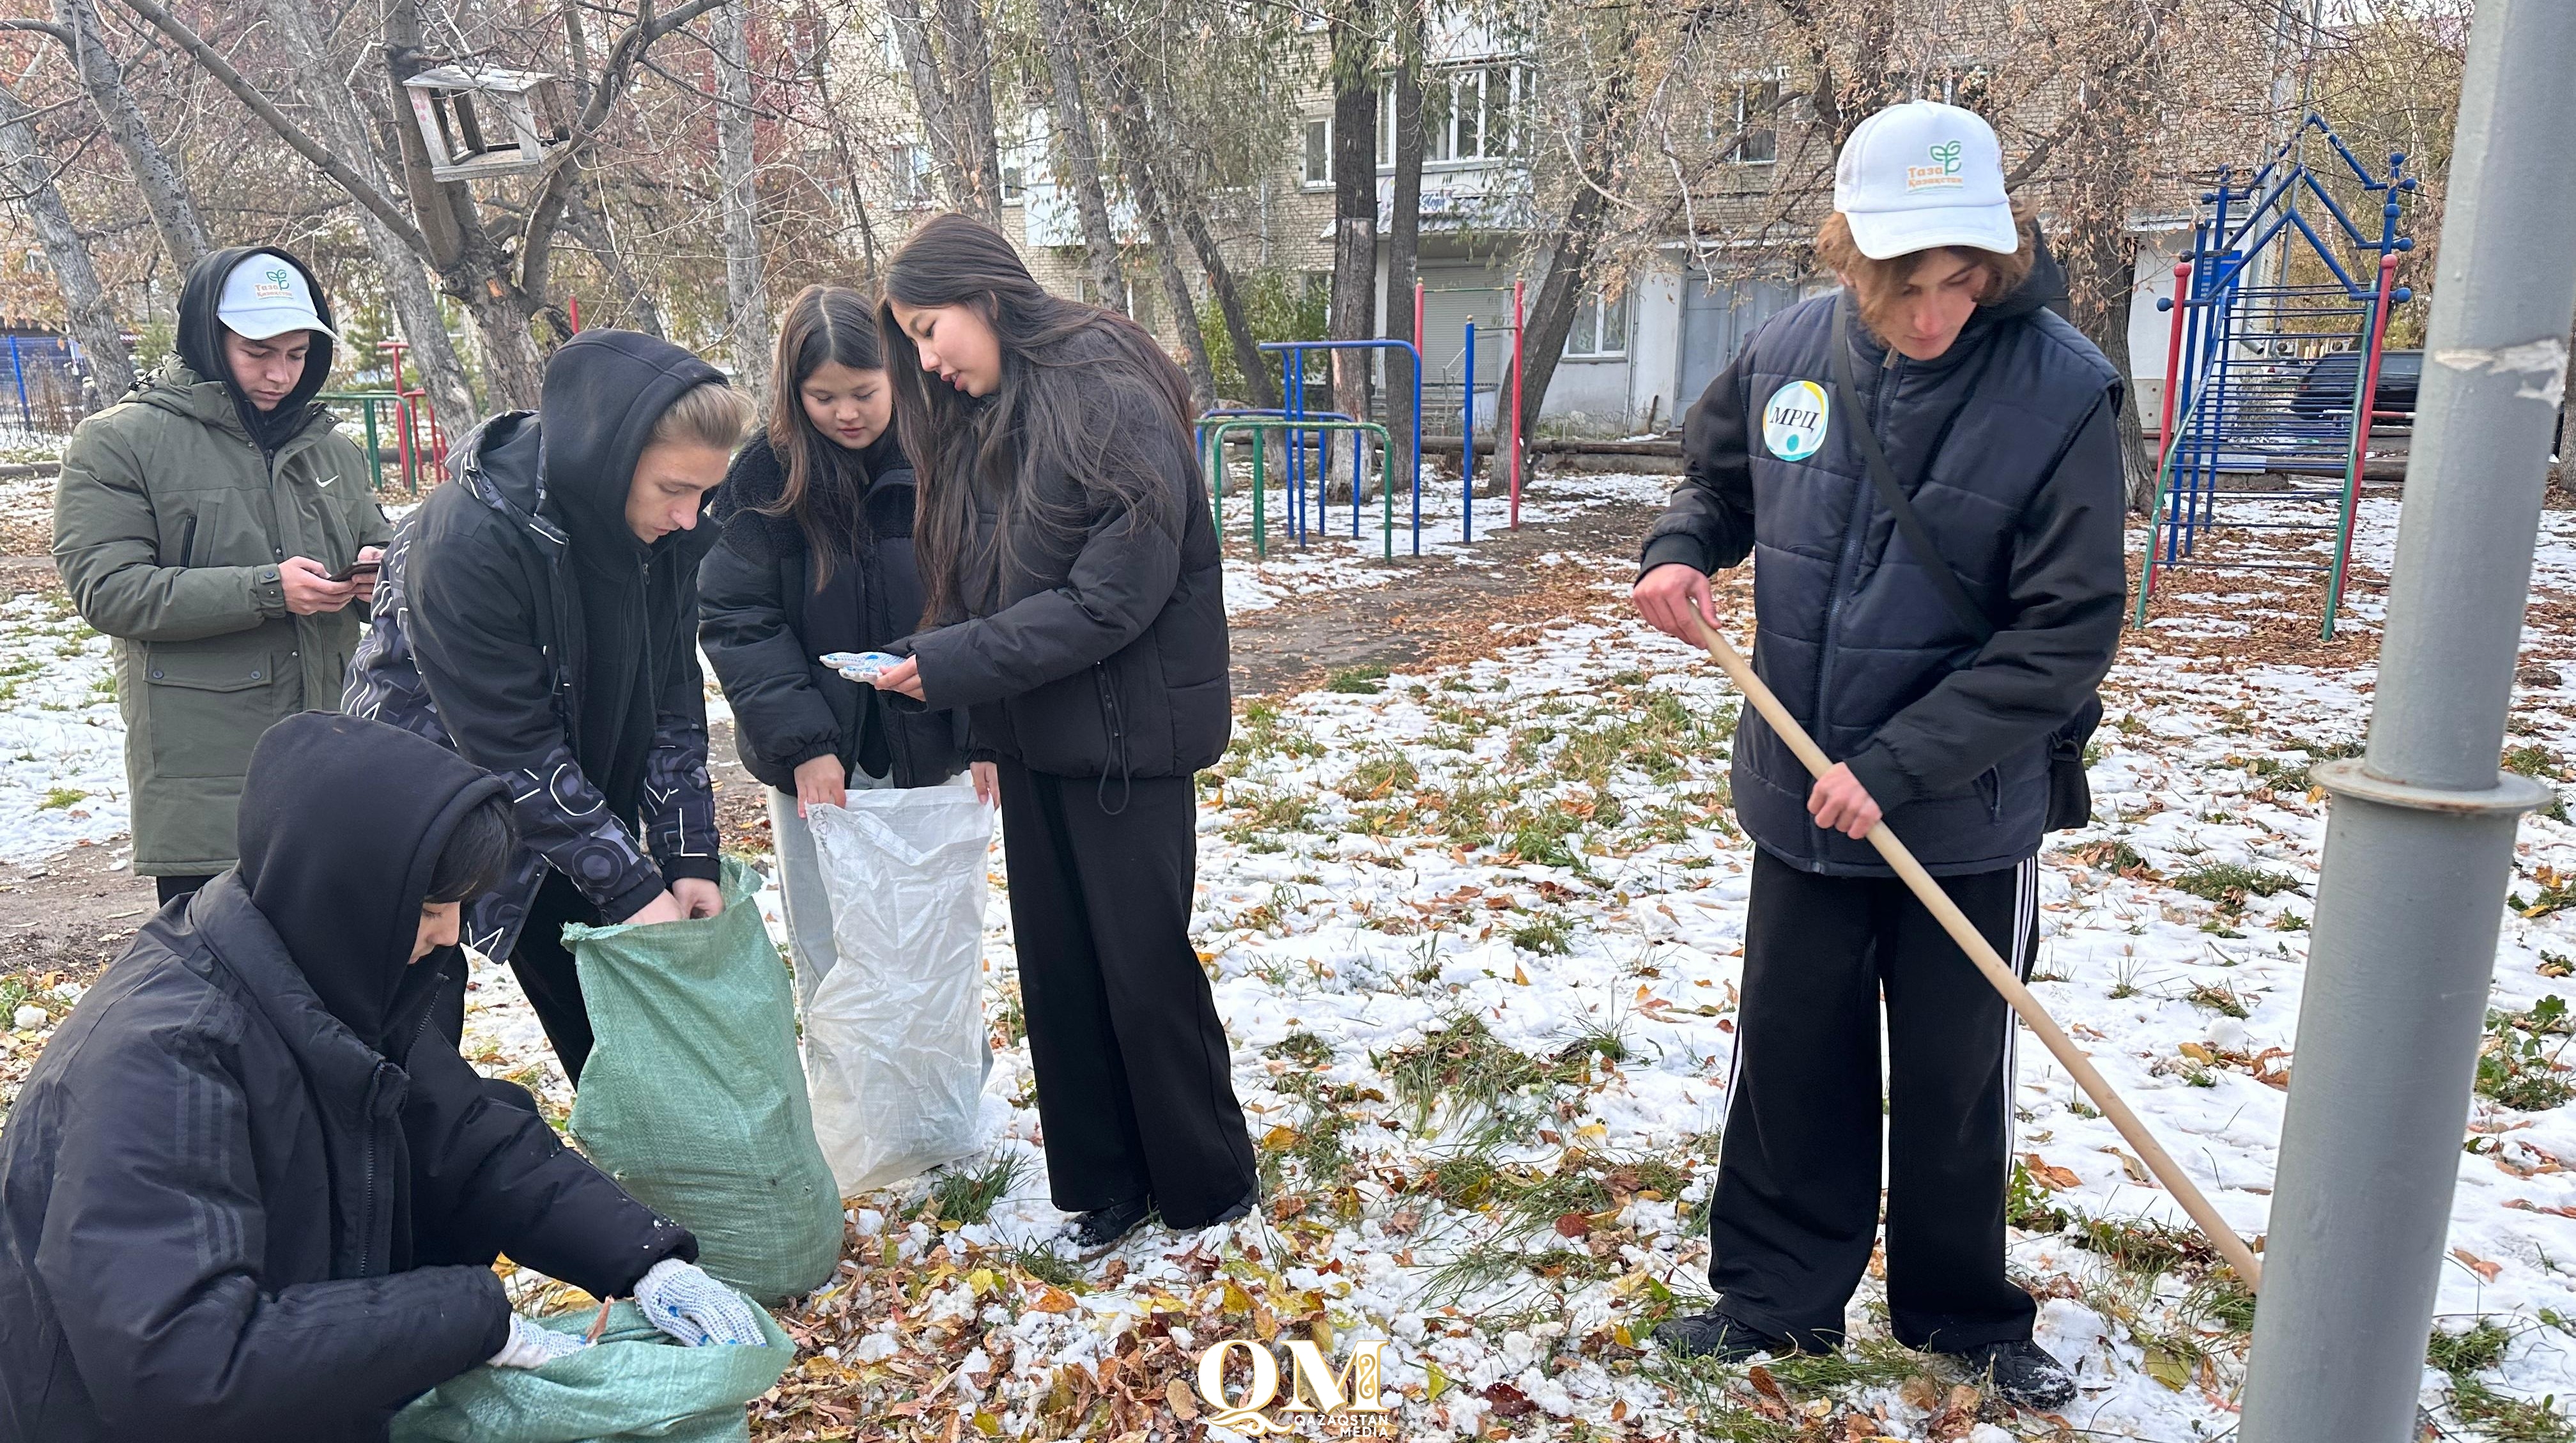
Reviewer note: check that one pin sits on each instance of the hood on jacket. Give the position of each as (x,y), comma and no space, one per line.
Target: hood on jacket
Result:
(2043,289)
(604,390)
(201,343)
(342,823)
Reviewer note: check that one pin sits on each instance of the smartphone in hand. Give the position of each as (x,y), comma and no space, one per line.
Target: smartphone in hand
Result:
(859,666)
(354,570)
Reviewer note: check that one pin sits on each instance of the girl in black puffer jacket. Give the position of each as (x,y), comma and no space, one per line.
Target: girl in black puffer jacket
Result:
(1076,607)
(816,557)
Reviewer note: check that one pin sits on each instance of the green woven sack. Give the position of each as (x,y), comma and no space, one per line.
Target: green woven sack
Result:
(693,1097)
(634,1383)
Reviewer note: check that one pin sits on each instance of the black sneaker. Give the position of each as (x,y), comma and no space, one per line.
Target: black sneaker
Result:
(1101,1229)
(1714,1335)
(2020,1372)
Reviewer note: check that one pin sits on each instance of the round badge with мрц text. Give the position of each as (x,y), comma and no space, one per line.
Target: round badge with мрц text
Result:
(1793,421)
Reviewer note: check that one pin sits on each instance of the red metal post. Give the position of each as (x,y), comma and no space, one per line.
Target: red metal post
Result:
(402,416)
(1517,388)
(2365,409)
(2165,426)
(573,305)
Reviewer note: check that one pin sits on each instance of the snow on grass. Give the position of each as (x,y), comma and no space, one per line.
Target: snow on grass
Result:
(60,733)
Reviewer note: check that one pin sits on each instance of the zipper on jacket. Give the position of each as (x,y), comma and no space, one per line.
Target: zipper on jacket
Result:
(1854,532)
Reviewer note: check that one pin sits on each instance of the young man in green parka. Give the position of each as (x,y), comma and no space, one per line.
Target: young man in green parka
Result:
(201,522)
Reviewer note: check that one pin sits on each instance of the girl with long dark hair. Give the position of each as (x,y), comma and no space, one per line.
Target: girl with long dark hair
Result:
(1074,607)
(816,556)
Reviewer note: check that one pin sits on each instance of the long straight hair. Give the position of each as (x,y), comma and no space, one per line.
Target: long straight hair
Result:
(823,325)
(1071,375)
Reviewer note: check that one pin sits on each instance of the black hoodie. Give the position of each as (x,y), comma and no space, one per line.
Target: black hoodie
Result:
(201,344)
(247,1192)
(2007,447)
(520,621)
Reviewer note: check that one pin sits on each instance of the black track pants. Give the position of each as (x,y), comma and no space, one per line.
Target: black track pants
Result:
(1134,1079)
(1797,1199)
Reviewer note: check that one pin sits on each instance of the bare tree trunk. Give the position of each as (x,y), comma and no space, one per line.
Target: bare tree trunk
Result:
(416,310)
(156,180)
(930,100)
(1135,144)
(1404,230)
(1077,159)
(1354,302)
(1604,138)
(89,317)
(1248,358)
(590,226)
(2101,263)
(967,58)
(738,170)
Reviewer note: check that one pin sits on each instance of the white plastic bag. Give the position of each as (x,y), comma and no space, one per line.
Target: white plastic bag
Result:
(894,1033)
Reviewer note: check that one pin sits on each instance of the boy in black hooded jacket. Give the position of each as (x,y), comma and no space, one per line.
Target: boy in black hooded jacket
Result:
(539,614)
(248,1192)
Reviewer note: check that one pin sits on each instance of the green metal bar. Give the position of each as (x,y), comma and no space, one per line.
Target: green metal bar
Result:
(1260,426)
(2156,514)
(375,462)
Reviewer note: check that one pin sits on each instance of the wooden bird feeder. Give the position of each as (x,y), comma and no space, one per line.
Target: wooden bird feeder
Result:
(480,120)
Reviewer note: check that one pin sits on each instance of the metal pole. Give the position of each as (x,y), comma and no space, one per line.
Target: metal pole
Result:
(1467,446)
(1417,418)
(2420,839)
(18,368)
(1516,404)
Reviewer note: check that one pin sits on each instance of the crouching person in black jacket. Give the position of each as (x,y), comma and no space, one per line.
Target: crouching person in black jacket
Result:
(1076,597)
(1939,627)
(249,1192)
(815,556)
(539,614)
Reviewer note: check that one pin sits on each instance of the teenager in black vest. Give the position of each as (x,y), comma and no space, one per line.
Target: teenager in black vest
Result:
(1077,610)
(1948,686)
(816,557)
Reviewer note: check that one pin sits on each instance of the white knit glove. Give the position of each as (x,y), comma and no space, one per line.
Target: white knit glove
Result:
(533,1347)
(681,1300)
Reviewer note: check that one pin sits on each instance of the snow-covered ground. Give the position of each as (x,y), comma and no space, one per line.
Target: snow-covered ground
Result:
(1475,934)
(60,732)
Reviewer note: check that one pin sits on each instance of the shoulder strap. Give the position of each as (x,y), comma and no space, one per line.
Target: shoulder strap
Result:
(1908,521)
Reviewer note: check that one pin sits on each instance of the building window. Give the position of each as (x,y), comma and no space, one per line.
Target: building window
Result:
(1757,138)
(1015,181)
(909,168)
(1319,152)
(1468,114)
(1600,327)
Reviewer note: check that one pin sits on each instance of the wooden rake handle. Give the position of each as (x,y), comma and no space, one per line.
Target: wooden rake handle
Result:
(2005,979)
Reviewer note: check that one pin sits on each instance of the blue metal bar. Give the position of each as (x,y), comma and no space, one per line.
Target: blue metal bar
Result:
(1385,343)
(18,368)
(1467,451)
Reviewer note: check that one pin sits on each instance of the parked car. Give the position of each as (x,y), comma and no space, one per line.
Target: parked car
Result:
(2327,388)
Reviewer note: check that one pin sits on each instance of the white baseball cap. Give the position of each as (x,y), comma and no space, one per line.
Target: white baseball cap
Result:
(264,296)
(1922,175)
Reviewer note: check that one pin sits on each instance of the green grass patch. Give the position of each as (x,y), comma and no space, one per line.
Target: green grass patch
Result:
(966,1192)
(1379,775)
(2218,998)
(1357,680)
(1302,1047)
(1552,933)
(59,798)
(1470,1070)
(2516,1067)
(2229,884)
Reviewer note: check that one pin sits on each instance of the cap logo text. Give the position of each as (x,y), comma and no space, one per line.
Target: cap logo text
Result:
(1942,173)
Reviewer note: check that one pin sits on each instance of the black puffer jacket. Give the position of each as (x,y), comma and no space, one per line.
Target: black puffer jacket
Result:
(1106,658)
(520,622)
(249,1193)
(2007,446)
(753,590)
